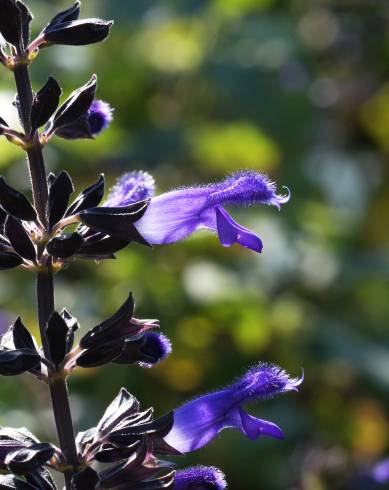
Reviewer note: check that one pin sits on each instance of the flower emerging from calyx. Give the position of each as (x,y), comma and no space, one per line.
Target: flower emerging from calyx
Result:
(198,422)
(99,116)
(131,187)
(146,350)
(177,214)
(200,478)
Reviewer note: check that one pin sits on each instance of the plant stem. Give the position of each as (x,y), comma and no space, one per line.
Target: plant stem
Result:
(45,280)
(35,160)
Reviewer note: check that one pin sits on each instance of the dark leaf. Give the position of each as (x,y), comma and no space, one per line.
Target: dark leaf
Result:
(117,222)
(65,246)
(76,105)
(21,336)
(85,480)
(67,15)
(57,332)
(14,362)
(123,405)
(11,22)
(11,482)
(89,197)
(114,328)
(15,203)
(19,238)
(45,103)
(61,189)
(30,458)
(9,261)
(3,123)
(26,17)
(78,32)
(100,355)
(78,129)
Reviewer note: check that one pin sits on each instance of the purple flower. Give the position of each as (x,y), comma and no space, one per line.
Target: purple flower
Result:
(198,422)
(99,116)
(177,214)
(156,348)
(200,478)
(380,472)
(131,187)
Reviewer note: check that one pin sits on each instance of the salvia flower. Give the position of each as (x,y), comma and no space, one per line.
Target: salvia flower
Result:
(131,187)
(200,478)
(99,116)
(380,472)
(177,214)
(198,422)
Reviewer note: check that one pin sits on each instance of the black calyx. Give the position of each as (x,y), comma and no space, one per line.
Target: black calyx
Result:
(22,338)
(74,109)
(57,332)
(18,361)
(9,261)
(3,123)
(45,103)
(101,246)
(73,326)
(11,23)
(41,479)
(78,32)
(65,246)
(115,328)
(26,18)
(19,238)
(72,13)
(116,222)
(100,355)
(61,188)
(126,437)
(88,198)
(27,459)
(85,480)
(15,203)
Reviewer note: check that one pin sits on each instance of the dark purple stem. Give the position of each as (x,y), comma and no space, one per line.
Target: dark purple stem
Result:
(45,279)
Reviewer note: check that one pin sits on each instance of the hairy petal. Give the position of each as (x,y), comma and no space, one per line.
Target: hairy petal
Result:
(200,478)
(131,187)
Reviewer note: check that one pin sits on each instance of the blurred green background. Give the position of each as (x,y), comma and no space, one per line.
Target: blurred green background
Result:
(297,89)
